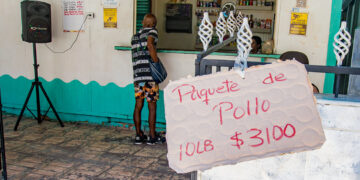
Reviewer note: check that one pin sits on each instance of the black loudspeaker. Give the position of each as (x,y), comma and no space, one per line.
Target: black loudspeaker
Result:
(36,21)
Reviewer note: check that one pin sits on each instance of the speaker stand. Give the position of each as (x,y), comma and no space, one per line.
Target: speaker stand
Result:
(37,84)
(3,158)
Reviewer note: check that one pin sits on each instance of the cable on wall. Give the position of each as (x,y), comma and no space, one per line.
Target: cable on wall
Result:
(77,35)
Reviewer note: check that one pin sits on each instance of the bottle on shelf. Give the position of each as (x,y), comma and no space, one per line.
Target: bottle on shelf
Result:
(262,24)
(214,3)
(268,24)
(268,3)
(259,2)
(255,24)
(218,3)
(251,21)
(258,23)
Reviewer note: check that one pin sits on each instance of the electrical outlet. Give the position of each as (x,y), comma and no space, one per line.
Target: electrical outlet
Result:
(90,15)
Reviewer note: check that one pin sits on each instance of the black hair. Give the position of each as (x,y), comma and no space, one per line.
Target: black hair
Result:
(299,56)
(257,40)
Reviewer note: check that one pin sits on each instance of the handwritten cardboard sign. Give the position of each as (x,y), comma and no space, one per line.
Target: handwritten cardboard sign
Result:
(223,119)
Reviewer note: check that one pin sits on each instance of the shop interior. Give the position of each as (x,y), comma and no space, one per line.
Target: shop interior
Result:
(178,21)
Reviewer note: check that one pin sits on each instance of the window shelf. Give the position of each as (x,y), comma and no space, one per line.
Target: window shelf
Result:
(273,56)
(208,8)
(256,8)
(226,48)
(258,30)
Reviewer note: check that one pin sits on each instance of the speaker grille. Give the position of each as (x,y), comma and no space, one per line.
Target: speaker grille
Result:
(36,21)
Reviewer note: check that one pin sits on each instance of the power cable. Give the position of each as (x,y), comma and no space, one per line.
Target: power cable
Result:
(77,35)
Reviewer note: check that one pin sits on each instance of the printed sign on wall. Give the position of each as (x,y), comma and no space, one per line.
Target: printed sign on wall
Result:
(110,17)
(298,23)
(73,15)
(110,3)
(224,119)
(301,3)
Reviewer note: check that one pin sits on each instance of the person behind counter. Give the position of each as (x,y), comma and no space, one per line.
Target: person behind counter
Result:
(256,45)
(143,49)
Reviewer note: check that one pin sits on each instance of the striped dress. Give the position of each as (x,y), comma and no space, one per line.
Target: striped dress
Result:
(141,55)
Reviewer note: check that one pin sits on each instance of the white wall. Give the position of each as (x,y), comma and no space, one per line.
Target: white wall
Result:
(314,43)
(92,58)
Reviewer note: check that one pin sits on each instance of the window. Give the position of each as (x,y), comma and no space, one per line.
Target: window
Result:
(142,8)
(260,13)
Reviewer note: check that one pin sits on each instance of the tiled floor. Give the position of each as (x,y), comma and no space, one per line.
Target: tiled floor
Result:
(80,151)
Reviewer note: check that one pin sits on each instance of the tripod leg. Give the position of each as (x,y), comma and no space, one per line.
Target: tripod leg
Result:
(24,106)
(52,107)
(3,157)
(38,103)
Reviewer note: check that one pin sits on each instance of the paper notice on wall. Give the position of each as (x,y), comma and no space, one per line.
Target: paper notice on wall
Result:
(301,3)
(110,3)
(221,118)
(298,23)
(73,15)
(110,17)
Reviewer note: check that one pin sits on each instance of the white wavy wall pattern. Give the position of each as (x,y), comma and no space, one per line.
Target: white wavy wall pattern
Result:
(92,58)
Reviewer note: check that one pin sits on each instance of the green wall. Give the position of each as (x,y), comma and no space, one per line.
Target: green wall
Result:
(77,102)
(334,28)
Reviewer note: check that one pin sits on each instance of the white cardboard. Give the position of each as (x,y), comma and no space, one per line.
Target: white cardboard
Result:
(223,119)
